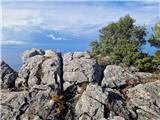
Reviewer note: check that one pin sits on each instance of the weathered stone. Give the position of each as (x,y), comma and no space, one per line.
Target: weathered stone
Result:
(29,105)
(116,118)
(44,68)
(89,104)
(80,67)
(8,76)
(96,102)
(116,77)
(30,53)
(80,96)
(10,103)
(85,117)
(144,75)
(30,73)
(146,98)
(52,69)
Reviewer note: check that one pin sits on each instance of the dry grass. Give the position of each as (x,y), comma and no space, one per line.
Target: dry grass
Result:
(46,57)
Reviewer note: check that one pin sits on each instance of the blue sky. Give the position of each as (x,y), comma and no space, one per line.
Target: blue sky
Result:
(65,26)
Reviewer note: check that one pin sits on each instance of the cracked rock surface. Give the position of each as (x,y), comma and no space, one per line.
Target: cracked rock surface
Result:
(8,76)
(52,86)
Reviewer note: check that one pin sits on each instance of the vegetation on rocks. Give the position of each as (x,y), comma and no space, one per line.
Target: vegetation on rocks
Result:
(74,86)
(89,92)
(122,41)
(155,38)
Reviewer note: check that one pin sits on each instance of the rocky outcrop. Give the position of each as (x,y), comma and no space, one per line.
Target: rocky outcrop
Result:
(8,76)
(146,99)
(98,103)
(50,86)
(35,104)
(117,77)
(30,53)
(40,68)
(79,67)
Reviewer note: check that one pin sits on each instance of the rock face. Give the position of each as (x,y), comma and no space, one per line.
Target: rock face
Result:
(52,87)
(97,103)
(30,53)
(40,67)
(117,76)
(34,104)
(8,76)
(79,67)
(146,98)
(91,103)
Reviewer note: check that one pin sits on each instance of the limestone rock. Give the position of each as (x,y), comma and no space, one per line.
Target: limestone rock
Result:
(44,68)
(123,93)
(90,105)
(34,104)
(116,118)
(80,67)
(10,103)
(8,76)
(116,76)
(97,103)
(30,53)
(52,69)
(146,98)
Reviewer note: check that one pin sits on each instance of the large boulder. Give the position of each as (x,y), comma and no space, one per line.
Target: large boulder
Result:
(35,104)
(41,69)
(10,103)
(8,76)
(146,99)
(117,77)
(97,103)
(30,53)
(91,103)
(79,67)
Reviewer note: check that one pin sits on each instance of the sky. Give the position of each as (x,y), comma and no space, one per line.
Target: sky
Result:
(65,25)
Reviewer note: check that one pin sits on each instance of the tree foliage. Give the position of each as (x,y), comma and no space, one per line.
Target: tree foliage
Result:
(155,38)
(122,41)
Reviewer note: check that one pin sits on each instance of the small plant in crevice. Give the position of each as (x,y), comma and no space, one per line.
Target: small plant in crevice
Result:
(81,88)
(46,57)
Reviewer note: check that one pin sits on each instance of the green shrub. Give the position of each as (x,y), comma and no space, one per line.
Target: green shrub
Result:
(144,62)
(157,55)
(122,42)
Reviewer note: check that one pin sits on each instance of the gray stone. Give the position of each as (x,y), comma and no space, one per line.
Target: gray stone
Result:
(116,76)
(10,103)
(95,101)
(146,98)
(80,67)
(90,106)
(27,105)
(52,69)
(8,76)
(30,53)
(31,72)
(85,117)
(116,118)
(45,69)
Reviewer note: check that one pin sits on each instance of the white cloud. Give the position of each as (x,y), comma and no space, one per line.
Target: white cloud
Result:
(77,18)
(12,42)
(53,37)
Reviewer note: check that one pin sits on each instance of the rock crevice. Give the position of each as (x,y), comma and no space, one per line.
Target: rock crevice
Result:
(73,86)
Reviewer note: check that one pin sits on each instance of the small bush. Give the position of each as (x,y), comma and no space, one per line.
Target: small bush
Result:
(144,62)
(157,55)
(46,57)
